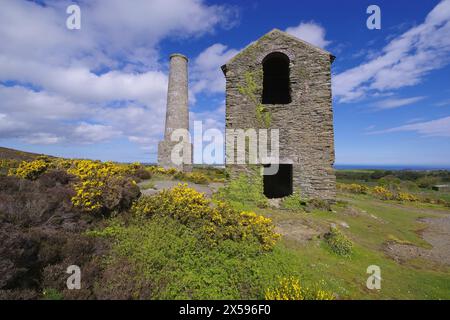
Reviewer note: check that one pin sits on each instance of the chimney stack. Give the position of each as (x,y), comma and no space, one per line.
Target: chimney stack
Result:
(177,117)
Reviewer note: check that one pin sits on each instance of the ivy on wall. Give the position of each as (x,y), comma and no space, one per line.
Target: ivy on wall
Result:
(251,90)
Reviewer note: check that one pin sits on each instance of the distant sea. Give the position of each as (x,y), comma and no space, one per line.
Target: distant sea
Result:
(391,167)
(374,167)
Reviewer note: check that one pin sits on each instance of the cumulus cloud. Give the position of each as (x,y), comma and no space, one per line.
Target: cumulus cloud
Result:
(212,123)
(434,128)
(94,132)
(206,73)
(404,61)
(310,32)
(98,83)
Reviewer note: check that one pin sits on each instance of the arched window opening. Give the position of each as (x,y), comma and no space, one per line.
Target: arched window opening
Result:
(276,88)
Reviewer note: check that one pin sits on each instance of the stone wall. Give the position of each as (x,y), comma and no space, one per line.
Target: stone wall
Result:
(305,124)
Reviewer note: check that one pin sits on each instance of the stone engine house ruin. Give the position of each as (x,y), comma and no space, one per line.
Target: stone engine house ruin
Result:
(282,82)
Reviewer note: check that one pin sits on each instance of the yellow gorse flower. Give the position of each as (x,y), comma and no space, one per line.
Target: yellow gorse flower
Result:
(216,220)
(291,289)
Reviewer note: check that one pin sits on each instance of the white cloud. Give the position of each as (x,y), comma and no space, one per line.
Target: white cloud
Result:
(213,123)
(403,62)
(443,103)
(98,83)
(43,138)
(206,73)
(91,133)
(395,103)
(434,128)
(310,32)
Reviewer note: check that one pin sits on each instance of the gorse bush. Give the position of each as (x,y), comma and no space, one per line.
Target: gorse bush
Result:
(389,190)
(353,188)
(385,194)
(382,193)
(216,221)
(404,196)
(291,289)
(338,242)
(30,170)
(195,177)
(159,170)
(99,187)
(103,187)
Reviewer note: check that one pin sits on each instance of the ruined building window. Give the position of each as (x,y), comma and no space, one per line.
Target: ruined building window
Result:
(276,89)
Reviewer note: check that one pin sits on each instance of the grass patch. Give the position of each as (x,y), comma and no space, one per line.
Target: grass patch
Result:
(172,259)
(147,185)
(243,193)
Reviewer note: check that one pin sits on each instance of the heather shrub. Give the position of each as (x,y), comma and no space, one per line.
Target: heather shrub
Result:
(7,164)
(290,288)
(34,260)
(54,177)
(142,174)
(28,203)
(338,242)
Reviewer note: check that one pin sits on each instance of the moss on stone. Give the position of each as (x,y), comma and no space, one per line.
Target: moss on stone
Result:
(251,89)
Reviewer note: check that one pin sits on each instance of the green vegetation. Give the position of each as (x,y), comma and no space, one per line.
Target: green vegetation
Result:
(294,202)
(147,185)
(291,289)
(244,193)
(250,89)
(165,259)
(338,242)
(178,244)
(52,294)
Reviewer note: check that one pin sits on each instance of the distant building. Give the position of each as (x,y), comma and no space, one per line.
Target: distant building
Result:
(282,82)
(441,187)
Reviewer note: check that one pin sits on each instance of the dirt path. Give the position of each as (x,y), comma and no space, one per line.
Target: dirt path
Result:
(437,234)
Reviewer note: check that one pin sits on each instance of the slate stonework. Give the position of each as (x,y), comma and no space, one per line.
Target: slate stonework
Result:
(305,124)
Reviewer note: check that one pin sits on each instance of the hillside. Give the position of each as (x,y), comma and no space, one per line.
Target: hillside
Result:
(145,232)
(6,153)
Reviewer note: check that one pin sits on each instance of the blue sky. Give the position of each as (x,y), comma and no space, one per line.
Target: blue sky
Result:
(100,92)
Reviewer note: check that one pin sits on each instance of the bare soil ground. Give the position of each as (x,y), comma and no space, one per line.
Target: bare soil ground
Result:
(437,234)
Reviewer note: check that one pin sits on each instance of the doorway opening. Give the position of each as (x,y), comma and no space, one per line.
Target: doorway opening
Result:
(280,184)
